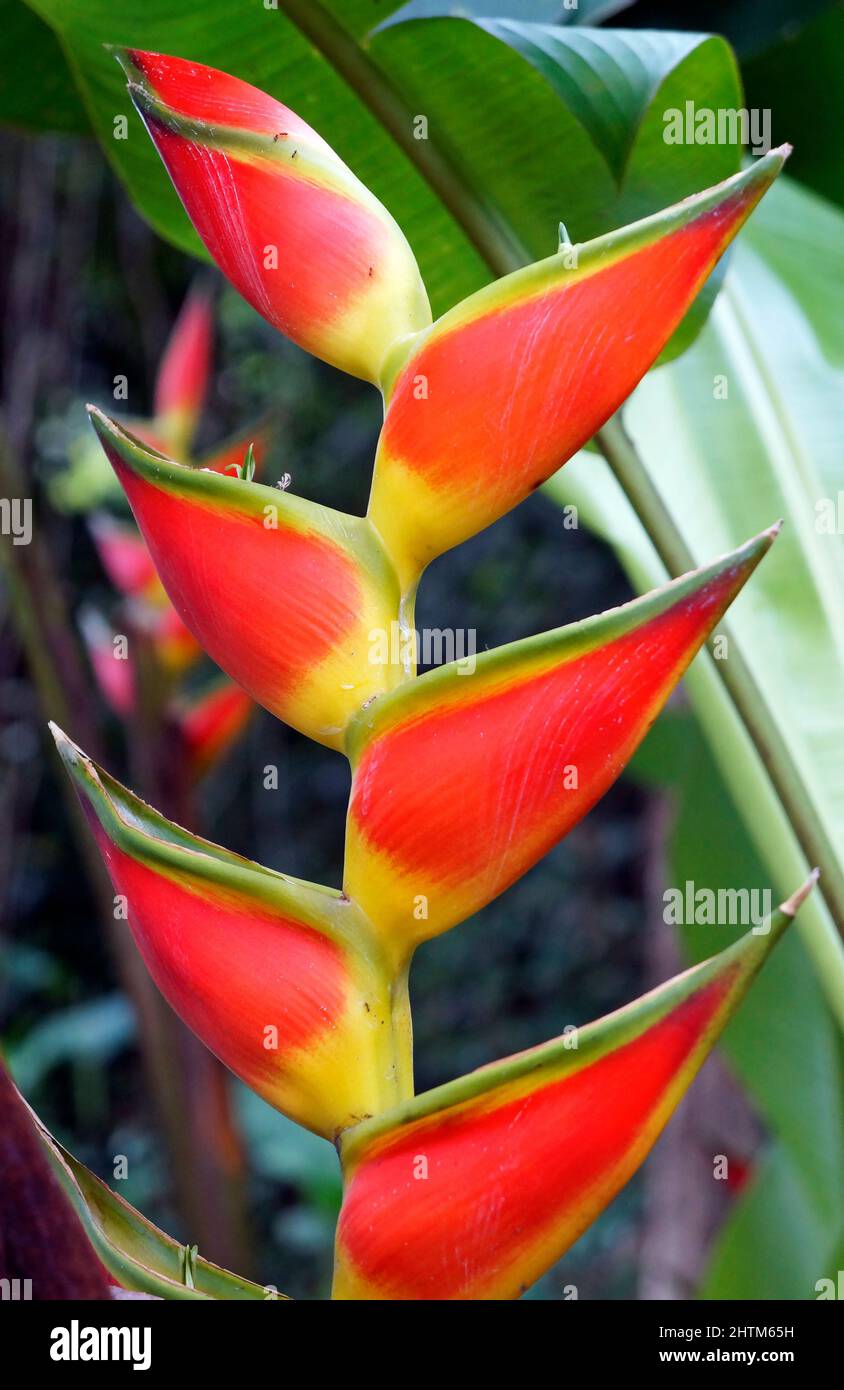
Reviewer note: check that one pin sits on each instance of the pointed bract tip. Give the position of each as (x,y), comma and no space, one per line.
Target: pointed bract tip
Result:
(791,905)
(104,426)
(124,56)
(778,155)
(83,771)
(745,557)
(68,751)
(767,537)
(98,417)
(112,430)
(759,544)
(757,177)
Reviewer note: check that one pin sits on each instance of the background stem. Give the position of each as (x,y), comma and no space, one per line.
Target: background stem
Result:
(734,672)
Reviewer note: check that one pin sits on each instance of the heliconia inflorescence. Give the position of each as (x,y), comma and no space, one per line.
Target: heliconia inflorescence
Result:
(460,781)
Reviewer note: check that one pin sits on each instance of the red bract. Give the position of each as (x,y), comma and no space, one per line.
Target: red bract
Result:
(277,976)
(124,557)
(210,721)
(289,224)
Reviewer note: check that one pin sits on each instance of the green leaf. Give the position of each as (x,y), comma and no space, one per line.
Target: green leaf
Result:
(774,343)
(136,1253)
(246,470)
(795,1080)
(539,11)
(548,121)
(38,92)
(774,1244)
(92,1032)
(786,1221)
(779,78)
(525,123)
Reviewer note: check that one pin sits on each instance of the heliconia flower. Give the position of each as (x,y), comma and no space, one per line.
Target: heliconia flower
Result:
(175,647)
(280,592)
(475,1189)
(466,776)
(281,979)
(301,238)
(182,379)
(210,720)
(506,386)
(124,557)
(115,674)
(128,564)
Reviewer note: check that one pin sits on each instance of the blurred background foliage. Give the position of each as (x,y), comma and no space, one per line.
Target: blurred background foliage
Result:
(89,291)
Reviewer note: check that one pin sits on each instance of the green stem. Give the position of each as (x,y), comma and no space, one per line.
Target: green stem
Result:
(734,673)
(749,783)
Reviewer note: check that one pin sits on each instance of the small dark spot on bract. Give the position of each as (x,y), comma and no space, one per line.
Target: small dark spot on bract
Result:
(370,271)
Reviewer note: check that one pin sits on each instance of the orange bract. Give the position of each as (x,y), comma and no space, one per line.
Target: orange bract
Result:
(462,781)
